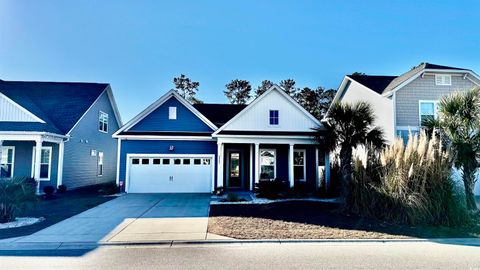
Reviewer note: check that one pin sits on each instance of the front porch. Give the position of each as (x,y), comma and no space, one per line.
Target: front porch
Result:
(243,162)
(39,156)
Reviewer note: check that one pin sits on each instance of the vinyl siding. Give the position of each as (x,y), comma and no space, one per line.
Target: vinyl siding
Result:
(407,98)
(23,160)
(80,168)
(158,119)
(162,147)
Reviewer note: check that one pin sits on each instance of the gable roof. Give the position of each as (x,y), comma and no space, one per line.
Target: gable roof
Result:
(219,114)
(59,104)
(157,104)
(258,99)
(385,85)
(375,82)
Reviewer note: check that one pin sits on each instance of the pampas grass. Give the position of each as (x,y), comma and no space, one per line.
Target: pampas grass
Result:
(407,184)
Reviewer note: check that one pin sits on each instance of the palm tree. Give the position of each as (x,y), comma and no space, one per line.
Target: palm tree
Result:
(349,126)
(459,120)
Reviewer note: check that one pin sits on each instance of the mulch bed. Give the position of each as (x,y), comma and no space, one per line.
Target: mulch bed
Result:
(311,220)
(57,209)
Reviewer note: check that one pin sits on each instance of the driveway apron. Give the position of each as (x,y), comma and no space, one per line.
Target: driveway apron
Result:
(134,218)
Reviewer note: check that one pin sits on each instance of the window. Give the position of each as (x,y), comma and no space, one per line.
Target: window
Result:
(273,117)
(234,164)
(103,122)
(206,161)
(441,79)
(166,161)
(197,161)
(7,159)
(45,162)
(299,165)
(100,163)
(135,161)
(427,110)
(186,161)
(177,161)
(267,164)
(156,161)
(172,113)
(145,161)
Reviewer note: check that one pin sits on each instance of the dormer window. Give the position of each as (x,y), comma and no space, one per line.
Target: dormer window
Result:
(274,117)
(442,79)
(103,122)
(172,113)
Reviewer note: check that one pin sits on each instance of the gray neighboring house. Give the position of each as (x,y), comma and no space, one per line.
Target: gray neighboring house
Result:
(400,102)
(58,133)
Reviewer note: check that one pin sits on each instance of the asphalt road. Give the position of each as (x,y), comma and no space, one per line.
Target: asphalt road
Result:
(253,256)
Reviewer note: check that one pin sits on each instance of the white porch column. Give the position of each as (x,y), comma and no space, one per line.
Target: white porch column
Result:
(290,165)
(36,166)
(1,144)
(327,170)
(220,165)
(316,169)
(257,162)
(251,168)
(60,163)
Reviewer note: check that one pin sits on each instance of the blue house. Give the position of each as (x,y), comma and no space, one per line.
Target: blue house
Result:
(58,133)
(175,146)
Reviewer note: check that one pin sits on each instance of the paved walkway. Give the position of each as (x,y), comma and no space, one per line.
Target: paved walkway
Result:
(132,218)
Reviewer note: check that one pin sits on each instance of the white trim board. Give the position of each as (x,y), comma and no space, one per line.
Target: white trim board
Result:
(157,104)
(252,104)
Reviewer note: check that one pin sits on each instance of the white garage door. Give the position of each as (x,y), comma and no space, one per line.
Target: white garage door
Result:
(170,174)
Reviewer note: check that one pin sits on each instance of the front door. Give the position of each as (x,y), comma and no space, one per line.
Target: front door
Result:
(234,172)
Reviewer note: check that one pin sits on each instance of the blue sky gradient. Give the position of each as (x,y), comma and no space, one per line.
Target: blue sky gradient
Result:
(139,46)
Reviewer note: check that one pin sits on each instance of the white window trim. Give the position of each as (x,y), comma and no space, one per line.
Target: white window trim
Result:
(13,157)
(443,83)
(172,113)
(99,119)
(435,109)
(49,164)
(274,161)
(98,163)
(304,164)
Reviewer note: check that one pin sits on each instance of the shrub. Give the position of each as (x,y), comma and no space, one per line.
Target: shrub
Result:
(48,190)
(61,189)
(232,197)
(335,185)
(109,188)
(271,189)
(407,184)
(16,196)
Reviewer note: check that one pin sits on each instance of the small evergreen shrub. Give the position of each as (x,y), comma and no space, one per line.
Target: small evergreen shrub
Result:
(48,190)
(61,189)
(271,189)
(16,196)
(109,188)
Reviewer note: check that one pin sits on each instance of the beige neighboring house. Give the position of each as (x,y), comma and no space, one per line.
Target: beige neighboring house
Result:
(401,102)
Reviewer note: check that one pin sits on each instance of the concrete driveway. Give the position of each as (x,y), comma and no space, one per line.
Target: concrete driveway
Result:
(134,218)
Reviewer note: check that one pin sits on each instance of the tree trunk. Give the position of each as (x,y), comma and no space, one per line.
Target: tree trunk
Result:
(469,183)
(346,168)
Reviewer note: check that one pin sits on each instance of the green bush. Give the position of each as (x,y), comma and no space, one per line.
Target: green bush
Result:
(271,189)
(407,184)
(16,196)
(109,188)
(61,189)
(232,197)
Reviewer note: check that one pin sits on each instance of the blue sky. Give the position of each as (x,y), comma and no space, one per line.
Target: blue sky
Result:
(139,46)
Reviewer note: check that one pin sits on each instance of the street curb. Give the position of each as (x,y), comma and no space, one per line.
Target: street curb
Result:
(178,243)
